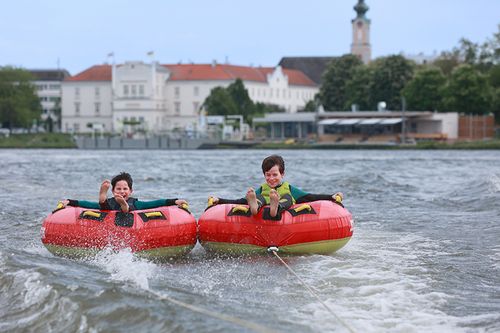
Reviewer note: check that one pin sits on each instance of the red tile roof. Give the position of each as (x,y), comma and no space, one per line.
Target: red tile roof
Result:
(232,72)
(94,73)
(200,72)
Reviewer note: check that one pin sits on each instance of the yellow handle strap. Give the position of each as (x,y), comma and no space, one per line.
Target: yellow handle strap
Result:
(210,201)
(302,207)
(338,198)
(59,205)
(153,214)
(185,206)
(240,209)
(91,213)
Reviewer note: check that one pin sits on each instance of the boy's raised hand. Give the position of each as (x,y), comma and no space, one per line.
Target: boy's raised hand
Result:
(122,202)
(103,191)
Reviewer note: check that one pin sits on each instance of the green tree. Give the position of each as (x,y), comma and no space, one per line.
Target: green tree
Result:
(468,91)
(447,62)
(333,90)
(359,89)
(390,76)
(220,102)
(425,91)
(19,104)
(240,97)
(310,106)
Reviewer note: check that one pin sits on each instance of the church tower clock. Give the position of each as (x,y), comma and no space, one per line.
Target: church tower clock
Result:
(361,33)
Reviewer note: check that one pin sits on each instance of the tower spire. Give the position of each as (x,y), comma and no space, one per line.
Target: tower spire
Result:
(361,8)
(361,33)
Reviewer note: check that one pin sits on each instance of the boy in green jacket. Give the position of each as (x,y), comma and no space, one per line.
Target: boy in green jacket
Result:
(274,192)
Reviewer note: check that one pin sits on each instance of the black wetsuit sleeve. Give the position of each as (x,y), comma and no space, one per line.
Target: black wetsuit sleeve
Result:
(241,201)
(104,205)
(313,197)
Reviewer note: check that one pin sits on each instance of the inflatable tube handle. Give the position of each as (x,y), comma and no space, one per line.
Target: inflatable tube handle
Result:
(303,207)
(237,209)
(58,207)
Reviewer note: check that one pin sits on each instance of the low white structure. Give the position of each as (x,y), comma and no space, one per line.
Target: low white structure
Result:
(154,98)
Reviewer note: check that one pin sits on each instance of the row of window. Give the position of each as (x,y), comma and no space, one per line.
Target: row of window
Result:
(133,90)
(283,93)
(48,86)
(97,92)
(97,109)
(49,99)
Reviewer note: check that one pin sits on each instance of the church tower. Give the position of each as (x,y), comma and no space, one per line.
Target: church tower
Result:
(361,33)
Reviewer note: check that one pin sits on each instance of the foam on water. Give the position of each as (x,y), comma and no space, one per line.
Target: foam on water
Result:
(392,294)
(123,265)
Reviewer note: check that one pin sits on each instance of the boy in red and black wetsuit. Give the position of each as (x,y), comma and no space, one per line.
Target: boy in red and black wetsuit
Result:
(121,200)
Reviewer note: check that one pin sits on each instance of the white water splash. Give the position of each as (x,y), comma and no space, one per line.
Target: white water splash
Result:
(125,266)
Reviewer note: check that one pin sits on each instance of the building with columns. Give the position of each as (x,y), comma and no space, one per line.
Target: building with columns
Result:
(361,33)
(153,98)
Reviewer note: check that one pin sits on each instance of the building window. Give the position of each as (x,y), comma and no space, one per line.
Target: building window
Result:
(77,109)
(177,92)
(177,108)
(125,90)
(196,91)
(97,109)
(141,90)
(54,86)
(97,92)
(76,127)
(133,90)
(196,106)
(277,92)
(77,93)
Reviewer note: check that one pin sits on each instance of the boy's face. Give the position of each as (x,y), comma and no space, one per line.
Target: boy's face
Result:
(121,188)
(273,176)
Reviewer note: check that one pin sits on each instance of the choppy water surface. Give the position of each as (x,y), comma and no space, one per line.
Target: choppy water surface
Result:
(425,256)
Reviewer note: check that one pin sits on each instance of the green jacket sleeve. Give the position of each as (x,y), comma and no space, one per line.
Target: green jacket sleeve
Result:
(154,203)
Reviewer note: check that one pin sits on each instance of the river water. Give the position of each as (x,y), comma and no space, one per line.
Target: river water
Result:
(425,255)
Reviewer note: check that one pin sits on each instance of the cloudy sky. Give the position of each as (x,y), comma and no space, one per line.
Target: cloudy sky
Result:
(77,34)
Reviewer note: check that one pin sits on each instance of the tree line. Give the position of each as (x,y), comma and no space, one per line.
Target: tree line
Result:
(465,79)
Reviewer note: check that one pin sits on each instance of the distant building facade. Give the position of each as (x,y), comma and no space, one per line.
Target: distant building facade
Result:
(374,126)
(155,98)
(48,88)
(361,33)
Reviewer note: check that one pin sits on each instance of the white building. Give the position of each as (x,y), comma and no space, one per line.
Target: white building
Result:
(155,98)
(48,88)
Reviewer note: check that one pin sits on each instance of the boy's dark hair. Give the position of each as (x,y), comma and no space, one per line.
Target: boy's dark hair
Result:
(122,176)
(271,161)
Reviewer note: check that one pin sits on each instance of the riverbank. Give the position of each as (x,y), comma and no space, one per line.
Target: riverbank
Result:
(38,140)
(60,140)
(490,144)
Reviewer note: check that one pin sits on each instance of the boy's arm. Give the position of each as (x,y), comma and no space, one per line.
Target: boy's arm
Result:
(301,196)
(83,204)
(242,201)
(154,203)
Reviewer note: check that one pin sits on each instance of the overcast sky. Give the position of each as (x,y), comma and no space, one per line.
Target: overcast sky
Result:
(78,34)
